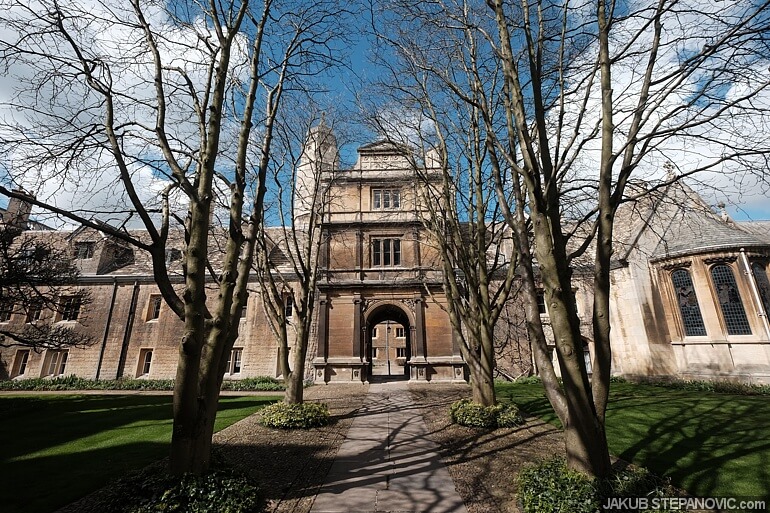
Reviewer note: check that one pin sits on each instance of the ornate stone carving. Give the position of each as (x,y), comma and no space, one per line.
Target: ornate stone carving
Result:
(677,265)
(411,303)
(725,259)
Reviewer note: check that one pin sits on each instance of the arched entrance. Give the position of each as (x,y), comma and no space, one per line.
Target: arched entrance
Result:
(388,342)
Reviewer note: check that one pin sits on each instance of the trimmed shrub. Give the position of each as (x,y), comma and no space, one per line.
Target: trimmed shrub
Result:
(717,387)
(294,416)
(151,491)
(467,413)
(263,383)
(550,487)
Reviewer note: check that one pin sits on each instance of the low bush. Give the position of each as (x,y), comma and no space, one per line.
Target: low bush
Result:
(719,387)
(551,487)
(295,416)
(152,491)
(467,413)
(262,383)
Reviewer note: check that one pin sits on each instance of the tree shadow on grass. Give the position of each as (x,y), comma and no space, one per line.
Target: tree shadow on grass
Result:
(43,484)
(708,444)
(41,423)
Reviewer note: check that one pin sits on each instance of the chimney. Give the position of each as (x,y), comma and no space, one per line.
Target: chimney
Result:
(17,214)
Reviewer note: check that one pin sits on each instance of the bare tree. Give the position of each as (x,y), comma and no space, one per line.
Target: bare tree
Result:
(462,210)
(177,98)
(575,99)
(288,254)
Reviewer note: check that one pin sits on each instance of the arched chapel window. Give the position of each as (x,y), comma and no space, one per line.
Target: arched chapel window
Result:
(760,277)
(729,299)
(688,304)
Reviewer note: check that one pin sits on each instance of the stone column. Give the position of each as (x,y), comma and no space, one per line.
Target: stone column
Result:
(357,338)
(322,349)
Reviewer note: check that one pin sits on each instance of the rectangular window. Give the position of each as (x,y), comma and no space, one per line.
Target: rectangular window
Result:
(233,365)
(84,250)
(386,199)
(400,352)
(400,332)
(289,307)
(374,332)
(386,252)
(20,363)
(541,302)
(375,352)
(6,311)
(34,311)
(57,362)
(153,309)
(145,362)
(70,308)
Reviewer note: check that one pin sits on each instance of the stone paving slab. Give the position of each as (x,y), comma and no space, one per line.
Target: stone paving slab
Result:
(386,463)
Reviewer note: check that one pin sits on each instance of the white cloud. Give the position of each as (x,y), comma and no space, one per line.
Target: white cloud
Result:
(701,136)
(54,94)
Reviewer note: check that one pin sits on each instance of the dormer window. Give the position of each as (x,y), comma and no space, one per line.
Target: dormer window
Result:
(386,199)
(84,250)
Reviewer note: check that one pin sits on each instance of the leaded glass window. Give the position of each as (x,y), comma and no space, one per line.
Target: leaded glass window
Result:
(730,301)
(760,277)
(688,304)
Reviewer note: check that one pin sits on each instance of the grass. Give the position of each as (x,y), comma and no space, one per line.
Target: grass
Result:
(57,448)
(709,444)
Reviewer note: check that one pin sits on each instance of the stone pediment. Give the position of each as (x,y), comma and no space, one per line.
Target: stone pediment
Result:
(383,155)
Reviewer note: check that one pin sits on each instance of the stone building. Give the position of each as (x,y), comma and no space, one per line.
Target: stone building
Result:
(690,290)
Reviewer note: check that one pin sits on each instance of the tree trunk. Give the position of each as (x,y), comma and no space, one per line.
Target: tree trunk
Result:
(482,381)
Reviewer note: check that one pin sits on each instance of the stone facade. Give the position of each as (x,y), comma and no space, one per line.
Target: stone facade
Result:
(689,300)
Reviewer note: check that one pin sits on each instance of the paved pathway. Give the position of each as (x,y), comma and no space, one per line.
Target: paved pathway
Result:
(386,463)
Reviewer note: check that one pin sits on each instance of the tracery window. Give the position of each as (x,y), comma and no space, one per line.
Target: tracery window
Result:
(760,277)
(729,299)
(692,320)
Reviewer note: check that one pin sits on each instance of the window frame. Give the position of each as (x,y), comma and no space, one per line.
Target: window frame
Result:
(385,252)
(34,312)
(69,305)
(20,367)
(762,282)
(85,249)
(402,330)
(676,285)
(6,311)
(144,366)
(154,307)
(56,362)
(386,198)
(234,363)
(729,318)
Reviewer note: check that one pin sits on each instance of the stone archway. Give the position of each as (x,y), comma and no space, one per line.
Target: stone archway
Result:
(388,341)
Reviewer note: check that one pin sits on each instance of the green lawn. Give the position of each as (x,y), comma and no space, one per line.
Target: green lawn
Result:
(709,444)
(57,448)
